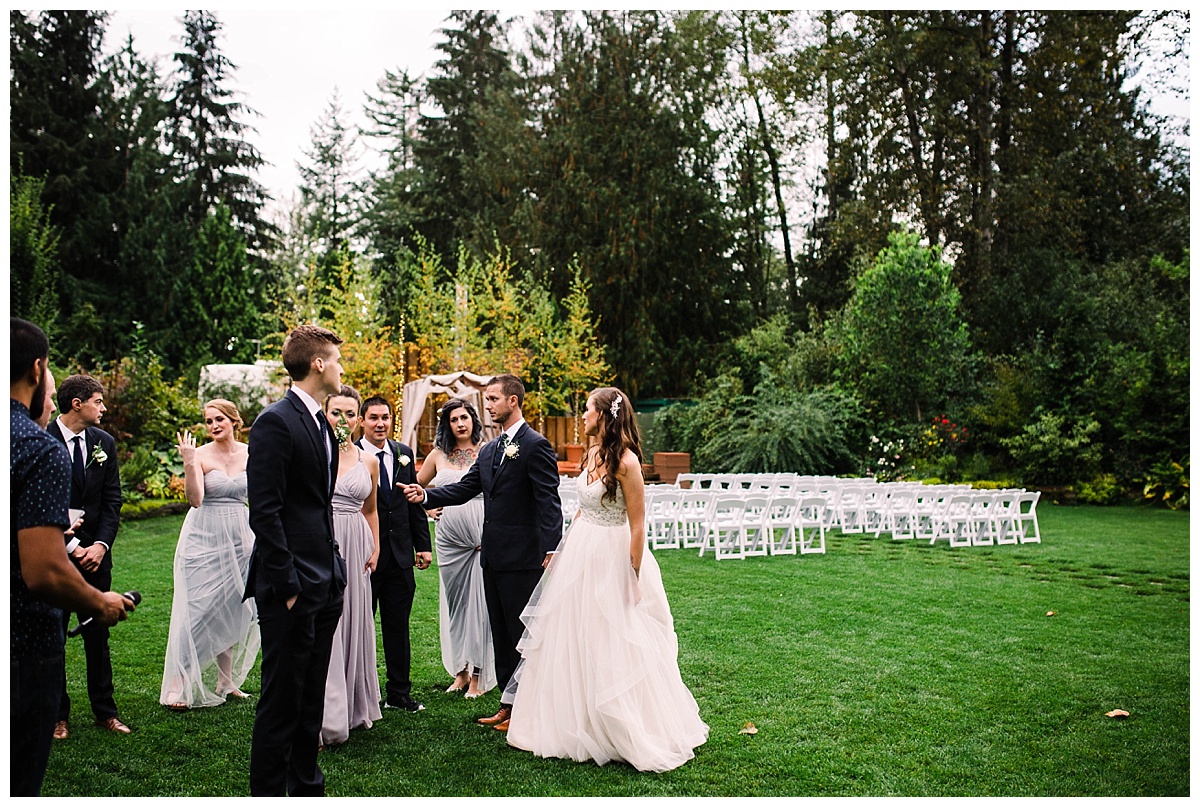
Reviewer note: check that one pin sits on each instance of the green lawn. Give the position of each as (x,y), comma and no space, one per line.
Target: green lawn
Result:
(879,669)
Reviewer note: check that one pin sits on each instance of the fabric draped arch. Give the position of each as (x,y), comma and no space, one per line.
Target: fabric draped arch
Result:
(459,384)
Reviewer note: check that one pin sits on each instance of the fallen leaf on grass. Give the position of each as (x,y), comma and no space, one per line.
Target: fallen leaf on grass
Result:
(749,728)
(1117,713)
(1051,613)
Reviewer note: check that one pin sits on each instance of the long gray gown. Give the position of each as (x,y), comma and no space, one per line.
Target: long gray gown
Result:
(208,616)
(352,685)
(465,631)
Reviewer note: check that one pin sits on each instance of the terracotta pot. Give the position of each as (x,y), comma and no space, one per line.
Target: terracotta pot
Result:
(574,452)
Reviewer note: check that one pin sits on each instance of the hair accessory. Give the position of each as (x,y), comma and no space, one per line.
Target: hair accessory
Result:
(616,406)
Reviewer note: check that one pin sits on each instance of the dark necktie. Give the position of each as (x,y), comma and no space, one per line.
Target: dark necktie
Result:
(498,454)
(77,461)
(323,427)
(385,483)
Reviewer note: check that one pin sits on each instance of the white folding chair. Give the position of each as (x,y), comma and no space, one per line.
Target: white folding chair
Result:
(930,506)
(780,523)
(811,520)
(899,515)
(686,481)
(693,510)
(1028,518)
(1005,510)
(755,540)
(954,522)
(847,504)
(725,528)
(982,518)
(662,516)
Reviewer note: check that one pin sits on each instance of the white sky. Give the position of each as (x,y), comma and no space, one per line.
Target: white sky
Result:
(289,62)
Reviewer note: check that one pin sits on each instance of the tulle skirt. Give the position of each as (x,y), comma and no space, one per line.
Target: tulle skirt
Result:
(599,678)
(208,617)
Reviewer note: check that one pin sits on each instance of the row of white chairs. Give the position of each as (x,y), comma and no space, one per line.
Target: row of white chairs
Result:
(952,512)
(735,524)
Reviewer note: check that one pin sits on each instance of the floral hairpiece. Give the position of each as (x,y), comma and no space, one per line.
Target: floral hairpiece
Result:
(616,406)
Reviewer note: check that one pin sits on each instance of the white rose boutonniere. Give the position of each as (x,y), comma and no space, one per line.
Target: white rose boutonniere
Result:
(98,455)
(511,450)
(404,460)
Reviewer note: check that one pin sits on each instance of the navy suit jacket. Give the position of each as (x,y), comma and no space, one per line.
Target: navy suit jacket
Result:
(403,526)
(522,514)
(291,509)
(100,499)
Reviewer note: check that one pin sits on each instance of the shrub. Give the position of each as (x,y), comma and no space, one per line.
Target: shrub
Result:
(1103,489)
(1167,483)
(1054,452)
(143,409)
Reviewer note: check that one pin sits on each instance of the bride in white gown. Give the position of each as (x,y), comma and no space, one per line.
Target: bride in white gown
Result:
(599,678)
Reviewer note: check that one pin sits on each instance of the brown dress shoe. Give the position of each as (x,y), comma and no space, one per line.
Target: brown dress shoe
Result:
(60,730)
(500,716)
(502,725)
(114,724)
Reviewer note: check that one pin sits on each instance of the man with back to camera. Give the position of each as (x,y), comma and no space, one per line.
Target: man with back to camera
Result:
(297,576)
(41,578)
(403,542)
(522,521)
(96,490)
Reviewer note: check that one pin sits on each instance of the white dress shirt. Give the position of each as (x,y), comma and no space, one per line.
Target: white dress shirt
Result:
(70,436)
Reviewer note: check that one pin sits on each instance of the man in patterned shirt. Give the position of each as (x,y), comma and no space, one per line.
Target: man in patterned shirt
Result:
(41,578)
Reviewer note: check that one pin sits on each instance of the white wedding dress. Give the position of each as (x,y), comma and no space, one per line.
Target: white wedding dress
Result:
(599,677)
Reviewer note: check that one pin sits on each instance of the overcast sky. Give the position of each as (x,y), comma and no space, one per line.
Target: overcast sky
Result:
(289,62)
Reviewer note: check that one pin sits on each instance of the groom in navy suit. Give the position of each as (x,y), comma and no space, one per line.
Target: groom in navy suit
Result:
(296,574)
(522,520)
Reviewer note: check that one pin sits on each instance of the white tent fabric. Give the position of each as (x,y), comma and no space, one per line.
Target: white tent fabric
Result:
(460,384)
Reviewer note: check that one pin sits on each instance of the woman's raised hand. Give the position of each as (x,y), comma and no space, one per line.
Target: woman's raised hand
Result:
(186,444)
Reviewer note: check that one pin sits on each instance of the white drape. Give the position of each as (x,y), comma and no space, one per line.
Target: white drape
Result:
(460,384)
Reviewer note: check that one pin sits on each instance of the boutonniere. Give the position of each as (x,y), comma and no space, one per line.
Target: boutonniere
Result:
(404,460)
(511,449)
(98,455)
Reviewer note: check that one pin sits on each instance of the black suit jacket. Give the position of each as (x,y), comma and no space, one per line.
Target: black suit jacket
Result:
(291,511)
(403,527)
(100,498)
(522,514)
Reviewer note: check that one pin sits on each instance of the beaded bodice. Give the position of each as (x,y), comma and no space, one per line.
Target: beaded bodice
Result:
(596,509)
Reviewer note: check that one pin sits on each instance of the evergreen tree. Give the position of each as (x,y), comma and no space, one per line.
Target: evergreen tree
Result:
(329,188)
(207,135)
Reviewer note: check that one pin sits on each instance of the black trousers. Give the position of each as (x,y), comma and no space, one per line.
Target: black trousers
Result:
(287,721)
(392,591)
(36,688)
(99,660)
(507,594)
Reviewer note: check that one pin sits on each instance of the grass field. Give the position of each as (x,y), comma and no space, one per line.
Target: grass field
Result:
(878,669)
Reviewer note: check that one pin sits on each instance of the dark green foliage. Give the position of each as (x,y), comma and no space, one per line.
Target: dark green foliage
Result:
(143,408)
(904,342)
(33,257)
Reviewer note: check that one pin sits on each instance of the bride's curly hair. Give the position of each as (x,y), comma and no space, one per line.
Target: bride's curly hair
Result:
(618,431)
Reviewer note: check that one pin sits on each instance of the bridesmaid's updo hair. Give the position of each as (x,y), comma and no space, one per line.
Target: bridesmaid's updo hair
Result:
(346,391)
(445,440)
(229,410)
(618,431)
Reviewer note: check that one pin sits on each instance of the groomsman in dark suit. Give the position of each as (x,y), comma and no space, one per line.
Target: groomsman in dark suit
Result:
(297,576)
(403,543)
(522,521)
(96,490)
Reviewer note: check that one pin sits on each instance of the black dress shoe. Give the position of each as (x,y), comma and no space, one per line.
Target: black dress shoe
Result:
(404,702)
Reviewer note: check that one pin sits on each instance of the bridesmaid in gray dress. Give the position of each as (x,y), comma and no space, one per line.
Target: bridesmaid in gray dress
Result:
(352,685)
(466,634)
(213,639)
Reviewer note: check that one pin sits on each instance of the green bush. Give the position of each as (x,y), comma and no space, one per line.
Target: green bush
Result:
(143,409)
(1052,451)
(1103,489)
(1167,483)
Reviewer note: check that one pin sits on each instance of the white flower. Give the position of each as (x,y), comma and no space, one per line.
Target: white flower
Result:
(98,455)
(511,450)
(616,406)
(404,460)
